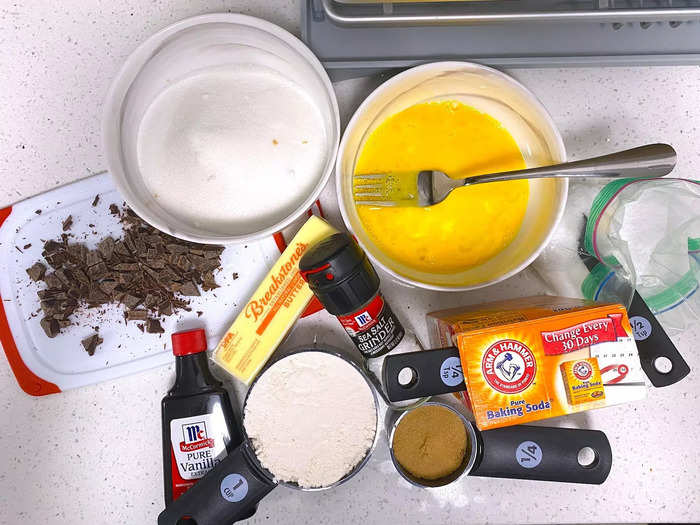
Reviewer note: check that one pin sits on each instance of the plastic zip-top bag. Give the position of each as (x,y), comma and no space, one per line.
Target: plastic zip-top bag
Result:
(646,233)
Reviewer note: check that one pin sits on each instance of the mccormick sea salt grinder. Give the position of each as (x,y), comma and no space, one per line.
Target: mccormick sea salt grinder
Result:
(199,426)
(345,282)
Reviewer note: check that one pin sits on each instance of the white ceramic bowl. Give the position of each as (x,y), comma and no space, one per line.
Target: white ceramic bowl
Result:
(491,92)
(179,51)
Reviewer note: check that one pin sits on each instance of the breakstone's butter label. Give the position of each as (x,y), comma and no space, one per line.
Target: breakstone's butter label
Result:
(273,308)
(541,357)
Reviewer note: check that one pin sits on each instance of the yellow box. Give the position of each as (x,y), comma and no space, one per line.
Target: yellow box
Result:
(272,310)
(582,381)
(512,355)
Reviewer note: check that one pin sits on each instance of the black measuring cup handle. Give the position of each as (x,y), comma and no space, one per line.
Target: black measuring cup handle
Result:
(543,453)
(227,493)
(652,343)
(434,372)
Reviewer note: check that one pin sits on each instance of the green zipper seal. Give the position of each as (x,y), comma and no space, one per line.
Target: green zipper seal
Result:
(594,279)
(679,291)
(599,204)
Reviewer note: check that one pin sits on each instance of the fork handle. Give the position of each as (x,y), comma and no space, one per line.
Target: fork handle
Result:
(650,161)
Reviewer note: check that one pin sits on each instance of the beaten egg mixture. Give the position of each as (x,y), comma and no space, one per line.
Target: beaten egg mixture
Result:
(474,223)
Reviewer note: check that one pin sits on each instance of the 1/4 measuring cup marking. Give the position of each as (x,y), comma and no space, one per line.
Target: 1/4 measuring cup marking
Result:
(528,454)
(451,371)
(234,488)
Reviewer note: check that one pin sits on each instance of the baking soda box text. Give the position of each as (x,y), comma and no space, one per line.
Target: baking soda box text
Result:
(539,357)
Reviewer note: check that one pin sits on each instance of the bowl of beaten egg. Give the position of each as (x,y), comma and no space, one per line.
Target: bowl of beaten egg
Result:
(463,119)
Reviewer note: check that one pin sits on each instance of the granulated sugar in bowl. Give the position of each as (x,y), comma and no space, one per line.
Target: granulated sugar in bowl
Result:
(221,128)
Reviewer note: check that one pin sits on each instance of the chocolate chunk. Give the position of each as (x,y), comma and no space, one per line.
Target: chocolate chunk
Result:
(199,313)
(153,327)
(91,343)
(52,281)
(108,287)
(50,327)
(136,315)
(165,308)
(235,275)
(97,271)
(131,301)
(67,223)
(177,249)
(189,289)
(95,200)
(36,271)
(92,258)
(126,267)
(38,212)
(114,209)
(27,246)
(106,248)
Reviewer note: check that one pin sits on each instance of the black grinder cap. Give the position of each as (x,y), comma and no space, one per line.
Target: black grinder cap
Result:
(339,274)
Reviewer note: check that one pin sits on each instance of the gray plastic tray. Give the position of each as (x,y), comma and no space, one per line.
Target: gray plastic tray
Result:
(350,51)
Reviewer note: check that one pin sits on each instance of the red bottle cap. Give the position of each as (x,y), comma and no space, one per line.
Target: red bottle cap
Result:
(189,342)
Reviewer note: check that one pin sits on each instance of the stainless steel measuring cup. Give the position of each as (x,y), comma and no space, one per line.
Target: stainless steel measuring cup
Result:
(239,481)
(521,452)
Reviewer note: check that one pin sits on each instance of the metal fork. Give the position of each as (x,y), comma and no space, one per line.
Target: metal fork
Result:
(429,187)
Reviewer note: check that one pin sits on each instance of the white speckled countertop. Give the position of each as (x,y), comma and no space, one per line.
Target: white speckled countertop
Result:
(93,455)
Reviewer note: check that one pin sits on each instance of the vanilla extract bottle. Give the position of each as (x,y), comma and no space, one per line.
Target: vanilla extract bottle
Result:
(347,285)
(199,425)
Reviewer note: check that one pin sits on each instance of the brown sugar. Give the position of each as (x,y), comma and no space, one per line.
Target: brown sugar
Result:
(430,442)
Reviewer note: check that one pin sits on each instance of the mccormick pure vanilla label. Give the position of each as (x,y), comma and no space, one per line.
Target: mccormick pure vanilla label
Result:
(541,357)
(198,443)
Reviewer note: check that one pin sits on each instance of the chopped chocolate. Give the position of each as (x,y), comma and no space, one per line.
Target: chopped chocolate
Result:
(131,301)
(149,272)
(136,315)
(199,313)
(38,212)
(189,289)
(67,223)
(106,248)
(126,267)
(50,327)
(153,327)
(176,248)
(95,200)
(165,308)
(36,272)
(235,275)
(91,343)
(97,271)
(140,326)
(27,246)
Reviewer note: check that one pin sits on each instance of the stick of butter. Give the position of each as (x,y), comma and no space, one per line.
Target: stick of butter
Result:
(272,310)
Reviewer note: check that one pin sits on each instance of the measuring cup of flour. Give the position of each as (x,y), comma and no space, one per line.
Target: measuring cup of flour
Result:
(310,423)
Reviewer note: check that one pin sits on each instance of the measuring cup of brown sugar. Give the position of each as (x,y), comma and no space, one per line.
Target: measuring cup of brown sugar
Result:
(435,444)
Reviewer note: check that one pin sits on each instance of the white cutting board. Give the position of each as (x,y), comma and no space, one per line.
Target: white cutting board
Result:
(43,365)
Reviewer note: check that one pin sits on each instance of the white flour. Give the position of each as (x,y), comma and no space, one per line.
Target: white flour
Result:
(233,149)
(311,418)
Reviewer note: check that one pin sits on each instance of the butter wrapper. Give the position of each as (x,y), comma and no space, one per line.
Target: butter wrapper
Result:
(273,309)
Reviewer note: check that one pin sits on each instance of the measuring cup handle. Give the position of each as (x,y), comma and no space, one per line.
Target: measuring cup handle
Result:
(434,372)
(227,493)
(543,453)
(652,343)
